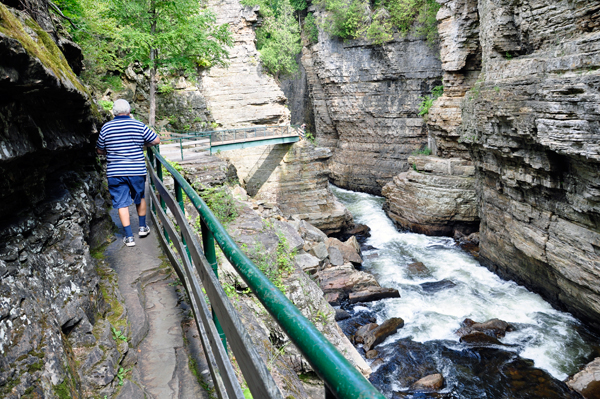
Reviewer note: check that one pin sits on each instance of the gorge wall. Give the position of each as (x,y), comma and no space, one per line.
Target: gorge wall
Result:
(365,103)
(514,138)
(531,125)
(52,209)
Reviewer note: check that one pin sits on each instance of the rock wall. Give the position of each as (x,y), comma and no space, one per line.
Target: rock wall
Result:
(295,177)
(52,208)
(365,103)
(437,196)
(531,124)
(243,94)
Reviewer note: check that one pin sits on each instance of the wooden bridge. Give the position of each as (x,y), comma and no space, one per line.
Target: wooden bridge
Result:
(184,146)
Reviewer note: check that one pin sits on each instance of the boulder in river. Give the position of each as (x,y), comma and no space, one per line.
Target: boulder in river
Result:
(478,337)
(379,334)
(418,269)
(436,286)
(359,336)
(432,382)
(372,294)
(587,381)
(495,328)
(341,314)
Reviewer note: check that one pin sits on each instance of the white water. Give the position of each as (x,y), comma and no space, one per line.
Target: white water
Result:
(543,334)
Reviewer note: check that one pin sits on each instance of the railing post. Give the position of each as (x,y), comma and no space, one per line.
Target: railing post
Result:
(181,147)
(152,164)
(179,198)
(163,205)
(208,242)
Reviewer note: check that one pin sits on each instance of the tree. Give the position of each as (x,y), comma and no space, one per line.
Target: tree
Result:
(168,34)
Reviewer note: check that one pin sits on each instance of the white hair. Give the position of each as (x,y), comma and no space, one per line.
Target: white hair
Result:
(121,107)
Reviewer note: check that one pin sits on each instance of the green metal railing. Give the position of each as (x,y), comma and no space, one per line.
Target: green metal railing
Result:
(342,380)
(220,138)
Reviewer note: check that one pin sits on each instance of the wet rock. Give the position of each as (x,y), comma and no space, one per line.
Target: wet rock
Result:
(372,354)
(360,334)
(587,381)
(432,382)
(418,269)
(438,286)
(307,262)
(495,328)
(476,372)
(478,337)
(372,294)
(336,298)
(379,334)
(360,230)
(351,325)
(341,314)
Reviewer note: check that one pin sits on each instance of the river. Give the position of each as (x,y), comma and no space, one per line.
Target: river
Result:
(544,338)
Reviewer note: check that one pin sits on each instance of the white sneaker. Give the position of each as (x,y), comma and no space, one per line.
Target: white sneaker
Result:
(144,231)
(129,241)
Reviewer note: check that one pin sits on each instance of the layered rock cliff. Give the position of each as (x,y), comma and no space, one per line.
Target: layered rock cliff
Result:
(296,178)
(243,94)
(52,209)
(365,102)
(437,196)
(531,122)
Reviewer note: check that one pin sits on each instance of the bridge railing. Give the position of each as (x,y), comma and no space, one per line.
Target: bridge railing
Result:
(196,266)
(222,136)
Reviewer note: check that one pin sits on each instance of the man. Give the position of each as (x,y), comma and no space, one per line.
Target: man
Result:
(122,141)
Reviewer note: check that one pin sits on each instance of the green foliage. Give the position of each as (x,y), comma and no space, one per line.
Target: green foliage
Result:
(380,30)
(310,27)
(424,151)
(106,105)
(96,33)
(118,335)
(165,89)
(427,101)
(121,374)
(221,203)
(345,18)
(350,19)
(278,39)
(115,33)
(310,137)
(508,56)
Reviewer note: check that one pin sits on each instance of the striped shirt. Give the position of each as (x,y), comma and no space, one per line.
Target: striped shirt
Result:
(123,139)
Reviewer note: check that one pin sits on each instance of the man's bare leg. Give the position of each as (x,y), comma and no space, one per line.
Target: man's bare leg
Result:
(124,216)
(141,207)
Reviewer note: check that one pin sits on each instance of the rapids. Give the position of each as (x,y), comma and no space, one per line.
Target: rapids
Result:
(544,338)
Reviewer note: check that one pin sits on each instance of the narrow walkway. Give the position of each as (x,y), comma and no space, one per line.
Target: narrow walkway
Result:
(158,321)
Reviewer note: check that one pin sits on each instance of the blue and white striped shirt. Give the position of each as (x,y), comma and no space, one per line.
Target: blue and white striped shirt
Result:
(123,139)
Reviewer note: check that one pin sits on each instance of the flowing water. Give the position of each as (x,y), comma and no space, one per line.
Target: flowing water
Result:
(555,341)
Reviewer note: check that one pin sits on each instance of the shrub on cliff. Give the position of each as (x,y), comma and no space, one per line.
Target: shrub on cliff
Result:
(278,39)
(350,19)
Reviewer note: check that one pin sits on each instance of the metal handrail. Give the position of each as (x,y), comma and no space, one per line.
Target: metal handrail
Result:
(342,380)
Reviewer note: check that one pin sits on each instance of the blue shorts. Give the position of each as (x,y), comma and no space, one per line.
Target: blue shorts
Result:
(126,189)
